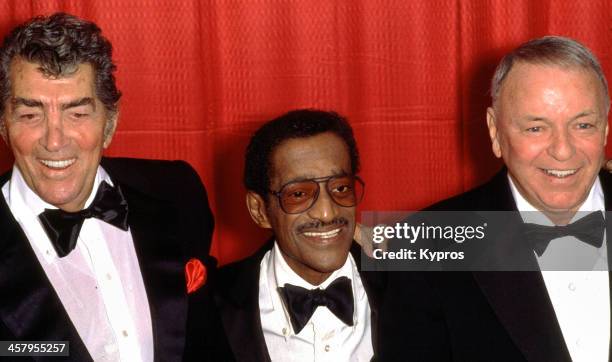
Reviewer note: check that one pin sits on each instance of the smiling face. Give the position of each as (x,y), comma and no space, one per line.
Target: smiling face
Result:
(317,241)
(57,129)
(550,127)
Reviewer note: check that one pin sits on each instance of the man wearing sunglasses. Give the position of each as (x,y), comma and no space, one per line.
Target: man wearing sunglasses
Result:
(301,297)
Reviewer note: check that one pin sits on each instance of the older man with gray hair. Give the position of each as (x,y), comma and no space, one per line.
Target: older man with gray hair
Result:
(549,123)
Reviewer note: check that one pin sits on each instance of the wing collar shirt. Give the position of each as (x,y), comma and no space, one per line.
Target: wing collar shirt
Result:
(581,299)
(325,337)
(98,283)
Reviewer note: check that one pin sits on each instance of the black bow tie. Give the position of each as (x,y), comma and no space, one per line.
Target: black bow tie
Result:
(589,229)
(302,303)
(63,227)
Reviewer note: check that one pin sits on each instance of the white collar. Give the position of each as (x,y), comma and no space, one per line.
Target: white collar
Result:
(26,205)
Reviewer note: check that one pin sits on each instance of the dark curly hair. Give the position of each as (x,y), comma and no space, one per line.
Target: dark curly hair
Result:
(295,124)
(59,43)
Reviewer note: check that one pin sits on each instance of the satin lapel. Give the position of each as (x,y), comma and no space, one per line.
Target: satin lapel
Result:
(374,284)
(29,306)
(522,305)
(154,226)
(239,309)
(520,299)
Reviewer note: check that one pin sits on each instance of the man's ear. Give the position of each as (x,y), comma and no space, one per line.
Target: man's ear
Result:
(257,208)
(493,134)
(109,128)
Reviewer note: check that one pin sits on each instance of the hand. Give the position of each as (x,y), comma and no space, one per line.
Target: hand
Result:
(608,166)
(364,236)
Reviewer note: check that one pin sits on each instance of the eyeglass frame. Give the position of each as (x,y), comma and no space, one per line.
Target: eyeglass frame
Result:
(318,181)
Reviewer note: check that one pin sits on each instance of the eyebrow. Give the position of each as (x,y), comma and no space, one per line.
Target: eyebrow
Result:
(80,102)
(584,114)
(587,113)
(306,178)
(17,101)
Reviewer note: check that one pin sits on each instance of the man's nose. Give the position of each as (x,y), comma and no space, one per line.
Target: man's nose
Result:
(54,138)
(562,145)
(325,208)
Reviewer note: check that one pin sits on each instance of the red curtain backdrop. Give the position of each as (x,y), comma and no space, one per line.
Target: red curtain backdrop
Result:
(198,77)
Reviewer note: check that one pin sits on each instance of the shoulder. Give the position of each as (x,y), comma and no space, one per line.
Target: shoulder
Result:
(240,279)
(173,183)
(606,182)
(494,195)
(160,173)
(242,270)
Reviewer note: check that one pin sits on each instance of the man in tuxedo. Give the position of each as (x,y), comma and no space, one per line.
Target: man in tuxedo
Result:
(301,297)
(106,254)
(549,123)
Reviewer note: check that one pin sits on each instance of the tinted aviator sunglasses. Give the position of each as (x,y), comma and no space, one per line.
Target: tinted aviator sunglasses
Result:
(298,196)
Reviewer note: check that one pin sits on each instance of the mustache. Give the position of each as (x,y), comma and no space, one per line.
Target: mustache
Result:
(313,225)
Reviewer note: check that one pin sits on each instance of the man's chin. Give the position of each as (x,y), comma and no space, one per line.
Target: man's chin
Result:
(65,201)
(561,205)
(560,212)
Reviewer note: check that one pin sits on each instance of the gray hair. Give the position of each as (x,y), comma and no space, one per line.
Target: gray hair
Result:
(549,50)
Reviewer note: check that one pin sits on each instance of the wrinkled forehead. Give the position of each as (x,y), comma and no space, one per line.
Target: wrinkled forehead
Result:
(523,74)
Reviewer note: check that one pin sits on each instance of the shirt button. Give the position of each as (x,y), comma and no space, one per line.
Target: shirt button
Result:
(284,331)
(327,348)
(571,286)
(108,276)
(125,333)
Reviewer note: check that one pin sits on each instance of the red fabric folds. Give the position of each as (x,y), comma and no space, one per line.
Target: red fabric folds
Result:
(195,274)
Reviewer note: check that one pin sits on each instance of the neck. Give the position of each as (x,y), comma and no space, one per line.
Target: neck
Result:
(314,277)
(304,271)
(560,217)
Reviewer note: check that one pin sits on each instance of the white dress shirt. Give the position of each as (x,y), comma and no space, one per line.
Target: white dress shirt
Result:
(581,299)
(325,337)
(98,283)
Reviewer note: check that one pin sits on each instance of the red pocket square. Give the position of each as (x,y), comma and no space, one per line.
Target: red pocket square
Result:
(195,273)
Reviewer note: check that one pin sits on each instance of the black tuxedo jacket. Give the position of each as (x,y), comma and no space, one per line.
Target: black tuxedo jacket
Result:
(237,300)
(474,316)
(170,222)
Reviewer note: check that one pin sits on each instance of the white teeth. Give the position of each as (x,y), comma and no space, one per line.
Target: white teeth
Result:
(325,235)
(561,173)
(58,164)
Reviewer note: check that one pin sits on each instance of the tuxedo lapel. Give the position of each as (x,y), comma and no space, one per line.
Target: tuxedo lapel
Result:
(374,283)
(153,225)
(522,305)
(520,299)
(30,308)
(238,304)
